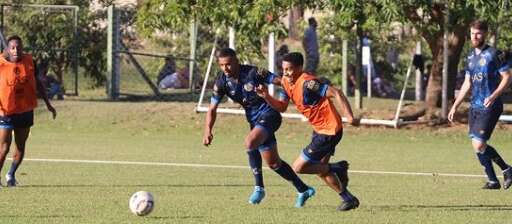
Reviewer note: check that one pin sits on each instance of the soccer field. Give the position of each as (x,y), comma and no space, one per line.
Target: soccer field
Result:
(84,166)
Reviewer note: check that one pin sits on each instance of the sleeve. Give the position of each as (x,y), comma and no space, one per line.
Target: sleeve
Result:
(265,76)
(218,91)
(282,95)
(503,61)
(467,73)
(314,91)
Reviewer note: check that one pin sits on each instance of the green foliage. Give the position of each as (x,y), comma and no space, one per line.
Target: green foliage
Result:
(253,20)
(54,40)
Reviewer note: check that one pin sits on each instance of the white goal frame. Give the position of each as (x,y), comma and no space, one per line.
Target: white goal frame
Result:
(200,107)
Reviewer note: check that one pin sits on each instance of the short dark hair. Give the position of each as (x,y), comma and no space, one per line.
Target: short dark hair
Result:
(13,37)
(226,52)
(295,58)
(479,25)
(312,21)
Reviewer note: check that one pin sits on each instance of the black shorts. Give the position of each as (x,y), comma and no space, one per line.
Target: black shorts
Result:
(482,122)
(23,120)
(270,122)
(321,146)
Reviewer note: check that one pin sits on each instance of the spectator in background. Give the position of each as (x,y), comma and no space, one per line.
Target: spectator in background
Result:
(168,69)
(310,44)
(280,53)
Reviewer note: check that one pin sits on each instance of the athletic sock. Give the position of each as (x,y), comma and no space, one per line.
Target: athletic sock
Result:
(334,168)
(495,157)
(287,173)
(255,164)
(487,164)
(346,195)
(12,170)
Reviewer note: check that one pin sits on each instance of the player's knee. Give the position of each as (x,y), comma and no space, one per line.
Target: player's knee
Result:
(298,167)
(274,164)
(479,146)
(250,143)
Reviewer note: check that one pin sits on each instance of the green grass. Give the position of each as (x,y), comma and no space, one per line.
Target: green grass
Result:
(52,192)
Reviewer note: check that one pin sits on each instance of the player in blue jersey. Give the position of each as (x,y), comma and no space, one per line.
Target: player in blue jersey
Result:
(487,75)
(239,82)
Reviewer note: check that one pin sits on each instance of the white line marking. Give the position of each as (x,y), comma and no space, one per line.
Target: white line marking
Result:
(238,167)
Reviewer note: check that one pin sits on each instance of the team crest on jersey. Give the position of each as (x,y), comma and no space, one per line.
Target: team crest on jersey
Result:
(249,87)
(313,85)
(482,62)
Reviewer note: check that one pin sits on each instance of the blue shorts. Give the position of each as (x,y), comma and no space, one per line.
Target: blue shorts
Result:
(23,120)
(321,146)
(270,122)
(482,122)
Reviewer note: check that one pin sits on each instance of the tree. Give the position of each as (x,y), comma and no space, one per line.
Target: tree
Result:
(253,20)
(54,39)
(428,18)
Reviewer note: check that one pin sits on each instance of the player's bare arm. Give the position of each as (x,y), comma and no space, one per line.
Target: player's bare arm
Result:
(504,83)
(341,99)
(211,116)
(464,89)
(279,105)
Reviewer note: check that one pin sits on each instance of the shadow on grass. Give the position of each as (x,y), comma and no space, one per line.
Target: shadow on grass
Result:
(174,217)
(136,185)
(164,97)
(446,207)
(41,216)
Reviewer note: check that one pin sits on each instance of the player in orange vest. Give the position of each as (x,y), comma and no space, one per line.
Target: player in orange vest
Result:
(18,99)
(313,99)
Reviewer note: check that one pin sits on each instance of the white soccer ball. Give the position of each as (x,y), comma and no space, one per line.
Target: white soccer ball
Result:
(141,203)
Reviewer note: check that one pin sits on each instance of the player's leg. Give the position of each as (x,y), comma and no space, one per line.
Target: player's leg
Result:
(21,123)
(491,119)
(478,123)
(20,138)
(5,143)
(255,163)
(5,138)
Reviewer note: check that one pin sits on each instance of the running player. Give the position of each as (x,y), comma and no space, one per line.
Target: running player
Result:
(239,82)
(313,99)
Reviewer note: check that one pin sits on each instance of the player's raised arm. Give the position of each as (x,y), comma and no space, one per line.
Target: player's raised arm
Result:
(278,104)
(343,102)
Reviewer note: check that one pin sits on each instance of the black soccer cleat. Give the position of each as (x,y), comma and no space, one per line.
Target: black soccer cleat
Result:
(507,178)
(348,205)
(491,186)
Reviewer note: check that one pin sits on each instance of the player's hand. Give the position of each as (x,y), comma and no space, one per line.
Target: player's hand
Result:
(354,121)
(52,110)
(489,101)
(207,138)
(262,91)
(451,114)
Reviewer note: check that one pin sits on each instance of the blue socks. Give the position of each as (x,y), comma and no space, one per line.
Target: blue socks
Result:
(495,157)
(255,164)
(12,170)
(287,173)
(487,164)
(346,195)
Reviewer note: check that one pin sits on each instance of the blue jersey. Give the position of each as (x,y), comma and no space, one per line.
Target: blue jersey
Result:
(484,72)
(243,91)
